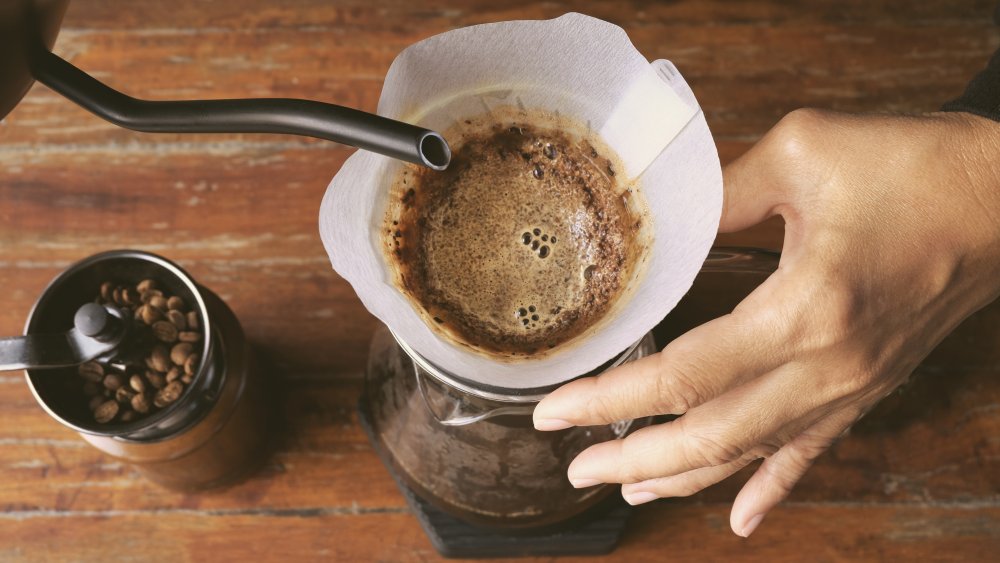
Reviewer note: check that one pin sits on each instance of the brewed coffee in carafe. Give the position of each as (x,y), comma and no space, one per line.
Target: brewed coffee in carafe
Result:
(472,453)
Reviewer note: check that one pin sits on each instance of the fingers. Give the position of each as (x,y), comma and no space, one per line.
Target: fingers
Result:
(753,418)
(685,484)
(779,473)
(694,368)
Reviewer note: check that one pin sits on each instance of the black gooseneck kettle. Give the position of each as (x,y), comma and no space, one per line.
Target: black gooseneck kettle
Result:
(28,29)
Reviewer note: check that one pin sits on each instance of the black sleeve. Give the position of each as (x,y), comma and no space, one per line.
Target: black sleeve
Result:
(982,95)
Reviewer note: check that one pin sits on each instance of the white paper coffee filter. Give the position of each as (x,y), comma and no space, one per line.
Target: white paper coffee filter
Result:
(577,66)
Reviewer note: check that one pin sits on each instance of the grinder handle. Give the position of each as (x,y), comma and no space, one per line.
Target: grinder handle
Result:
(94,334)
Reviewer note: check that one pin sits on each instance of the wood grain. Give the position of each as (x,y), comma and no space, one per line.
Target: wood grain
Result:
(917,479)
(659,533)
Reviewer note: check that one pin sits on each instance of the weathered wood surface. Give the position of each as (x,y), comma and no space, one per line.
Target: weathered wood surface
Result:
(919,478)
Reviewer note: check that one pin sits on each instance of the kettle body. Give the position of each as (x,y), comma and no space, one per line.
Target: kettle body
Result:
(23,25)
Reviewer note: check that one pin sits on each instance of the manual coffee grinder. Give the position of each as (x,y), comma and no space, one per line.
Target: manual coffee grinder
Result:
(474,471)
(213,433)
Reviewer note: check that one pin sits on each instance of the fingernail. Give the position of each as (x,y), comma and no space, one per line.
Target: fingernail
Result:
(581,483)
(641,497)
(548,424)
(751,525)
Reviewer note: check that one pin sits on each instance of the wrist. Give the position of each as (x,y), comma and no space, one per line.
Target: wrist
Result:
(976,151)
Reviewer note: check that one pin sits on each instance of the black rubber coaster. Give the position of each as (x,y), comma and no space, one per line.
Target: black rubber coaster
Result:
(596,533)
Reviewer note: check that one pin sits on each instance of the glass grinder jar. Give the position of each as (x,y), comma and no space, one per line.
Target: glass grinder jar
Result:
(214,433)
(472,451)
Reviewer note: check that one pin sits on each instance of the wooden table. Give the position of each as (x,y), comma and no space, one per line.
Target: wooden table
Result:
(919,478)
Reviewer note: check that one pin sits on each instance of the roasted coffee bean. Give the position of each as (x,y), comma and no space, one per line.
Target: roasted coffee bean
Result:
(168,394)
(95,402)
(137,314)
(180,352)
(177,318)
(160,357)
(116,296)
(165,331)
(106,412)
(136,383)
(113,381)
(107,291)
(130,297)
(187,379)
(124,394)
(159,302)
(191,364)
(92,388)
(127,416)
(189,336)
(140,403)
(148,295)
(174,374)
(176,303)
(150,314)
(156,380)
(146,285)
(91,371)
(192,320)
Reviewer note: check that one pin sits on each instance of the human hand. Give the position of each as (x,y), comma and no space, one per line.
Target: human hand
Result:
(892,238)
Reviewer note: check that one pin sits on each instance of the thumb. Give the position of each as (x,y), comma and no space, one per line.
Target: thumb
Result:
(761,183)
(749,190)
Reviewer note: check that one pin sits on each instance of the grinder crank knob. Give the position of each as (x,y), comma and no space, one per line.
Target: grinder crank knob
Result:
(97,322)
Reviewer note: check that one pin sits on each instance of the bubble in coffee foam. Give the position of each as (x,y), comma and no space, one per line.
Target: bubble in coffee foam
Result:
(525,242)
